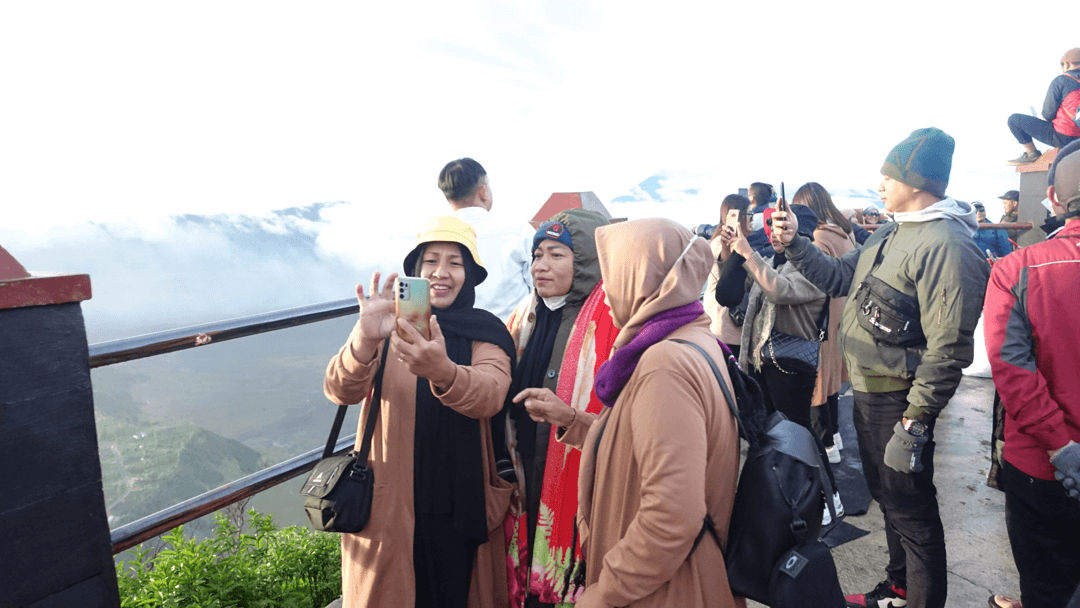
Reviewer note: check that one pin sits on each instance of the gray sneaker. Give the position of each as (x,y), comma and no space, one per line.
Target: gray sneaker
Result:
(1026,158)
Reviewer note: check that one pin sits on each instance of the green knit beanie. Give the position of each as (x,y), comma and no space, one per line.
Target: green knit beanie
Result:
(922,161)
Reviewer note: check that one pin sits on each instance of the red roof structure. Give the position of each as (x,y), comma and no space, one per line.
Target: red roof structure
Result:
(561,201)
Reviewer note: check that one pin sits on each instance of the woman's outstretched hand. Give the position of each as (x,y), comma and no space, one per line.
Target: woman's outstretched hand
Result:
(377,311)
(544,406)
(376,316)
(784,226)
(735,240)
(424,358)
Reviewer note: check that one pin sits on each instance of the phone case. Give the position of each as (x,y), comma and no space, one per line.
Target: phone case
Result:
(732,219)
(412,304)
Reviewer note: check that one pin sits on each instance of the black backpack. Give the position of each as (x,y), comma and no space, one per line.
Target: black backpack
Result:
(773,554)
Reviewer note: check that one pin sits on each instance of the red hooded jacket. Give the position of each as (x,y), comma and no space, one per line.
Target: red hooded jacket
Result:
(1031,317)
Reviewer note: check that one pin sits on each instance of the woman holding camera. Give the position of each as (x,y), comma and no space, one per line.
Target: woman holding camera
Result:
(781,301)
(437,500)
(726,322)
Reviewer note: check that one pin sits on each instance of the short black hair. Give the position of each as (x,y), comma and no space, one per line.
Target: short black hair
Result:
(460,178)
(760,193)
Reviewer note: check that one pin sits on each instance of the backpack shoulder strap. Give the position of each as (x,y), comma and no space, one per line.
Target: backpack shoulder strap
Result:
(708,525)
(719,378)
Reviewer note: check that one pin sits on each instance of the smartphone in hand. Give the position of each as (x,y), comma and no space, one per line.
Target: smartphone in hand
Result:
(732,219)
(412,303)
(782,205)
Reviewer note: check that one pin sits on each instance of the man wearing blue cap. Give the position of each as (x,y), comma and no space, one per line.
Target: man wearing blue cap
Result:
(1032,329)
(914,293)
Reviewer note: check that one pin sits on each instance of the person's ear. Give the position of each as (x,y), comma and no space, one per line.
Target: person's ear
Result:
(484,193)
(1052,195)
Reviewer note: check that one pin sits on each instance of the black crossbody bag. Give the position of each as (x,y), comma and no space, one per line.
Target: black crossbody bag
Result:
(793,354)
(886,313)
(338,491)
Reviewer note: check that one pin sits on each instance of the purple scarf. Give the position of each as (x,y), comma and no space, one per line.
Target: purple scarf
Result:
(613,374)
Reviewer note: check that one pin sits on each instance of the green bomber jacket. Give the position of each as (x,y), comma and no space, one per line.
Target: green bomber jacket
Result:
(936,262)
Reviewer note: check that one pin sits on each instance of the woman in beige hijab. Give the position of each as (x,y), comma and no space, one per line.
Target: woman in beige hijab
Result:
(663,456)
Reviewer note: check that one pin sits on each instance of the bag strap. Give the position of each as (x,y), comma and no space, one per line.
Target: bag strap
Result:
(823,321)
(719,380)
(375,400)
(708,525)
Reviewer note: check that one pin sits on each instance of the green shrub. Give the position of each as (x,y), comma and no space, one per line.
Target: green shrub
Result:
(262,567)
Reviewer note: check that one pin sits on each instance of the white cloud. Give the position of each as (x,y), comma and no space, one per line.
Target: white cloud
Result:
(134,110)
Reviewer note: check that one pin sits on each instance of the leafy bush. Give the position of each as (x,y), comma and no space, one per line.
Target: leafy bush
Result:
(263,567)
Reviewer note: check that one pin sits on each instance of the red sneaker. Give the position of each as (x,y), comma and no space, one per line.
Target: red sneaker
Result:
(885,595)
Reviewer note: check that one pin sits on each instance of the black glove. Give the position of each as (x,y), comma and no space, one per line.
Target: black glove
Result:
(1067,463)
(903,453)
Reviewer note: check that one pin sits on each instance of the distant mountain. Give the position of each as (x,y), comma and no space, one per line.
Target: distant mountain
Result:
(189,269)
(149,467)
(654,189)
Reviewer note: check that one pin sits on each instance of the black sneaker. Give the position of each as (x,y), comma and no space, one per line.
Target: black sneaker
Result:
(885,595)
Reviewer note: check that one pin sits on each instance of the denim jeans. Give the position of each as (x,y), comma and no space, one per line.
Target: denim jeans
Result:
(1025,127)
(1044,532)
(908,501)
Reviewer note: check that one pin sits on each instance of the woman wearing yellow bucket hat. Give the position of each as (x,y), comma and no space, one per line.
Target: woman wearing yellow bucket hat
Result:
(435,534)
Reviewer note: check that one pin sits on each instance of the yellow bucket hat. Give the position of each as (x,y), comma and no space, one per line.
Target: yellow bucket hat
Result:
(446,229)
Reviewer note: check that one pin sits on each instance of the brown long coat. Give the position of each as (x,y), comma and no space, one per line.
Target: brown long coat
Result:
(832,241)
(667,453)
(377,563)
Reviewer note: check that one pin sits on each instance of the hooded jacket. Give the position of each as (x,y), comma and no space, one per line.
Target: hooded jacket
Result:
(582,344)
(928,254)
(667,453)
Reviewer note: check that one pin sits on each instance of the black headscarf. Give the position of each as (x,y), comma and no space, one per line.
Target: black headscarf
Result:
(530,371)
(448,470)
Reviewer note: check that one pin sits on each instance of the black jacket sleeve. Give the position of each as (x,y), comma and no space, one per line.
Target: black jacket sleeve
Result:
(732,282)
(861,234)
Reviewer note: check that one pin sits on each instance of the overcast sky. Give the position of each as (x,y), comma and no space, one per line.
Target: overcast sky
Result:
(120,110)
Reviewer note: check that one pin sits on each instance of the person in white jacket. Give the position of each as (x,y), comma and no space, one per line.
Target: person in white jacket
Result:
(505,245)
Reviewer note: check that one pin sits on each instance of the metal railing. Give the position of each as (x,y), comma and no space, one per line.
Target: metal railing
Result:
(149,345)
(1005,226)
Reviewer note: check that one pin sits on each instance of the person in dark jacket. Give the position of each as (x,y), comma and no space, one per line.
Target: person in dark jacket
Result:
(1032,327)
(1058,129)
(1010,203)
(915,291)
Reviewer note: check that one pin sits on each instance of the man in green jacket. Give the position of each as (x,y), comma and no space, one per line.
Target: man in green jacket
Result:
(915,292)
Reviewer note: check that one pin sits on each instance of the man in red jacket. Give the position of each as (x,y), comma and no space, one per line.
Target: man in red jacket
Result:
(1059,110)
(1032,320)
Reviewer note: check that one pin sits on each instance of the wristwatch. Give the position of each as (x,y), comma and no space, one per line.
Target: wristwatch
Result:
(915,427)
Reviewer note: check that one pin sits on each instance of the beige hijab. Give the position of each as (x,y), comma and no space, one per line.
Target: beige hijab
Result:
(649,266)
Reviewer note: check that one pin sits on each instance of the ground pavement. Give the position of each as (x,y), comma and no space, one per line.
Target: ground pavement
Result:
(979,558)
